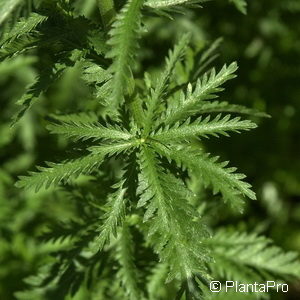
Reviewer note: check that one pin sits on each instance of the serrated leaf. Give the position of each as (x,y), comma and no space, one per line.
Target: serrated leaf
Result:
(62,172)
(123,43)
(203,127)
(206,88)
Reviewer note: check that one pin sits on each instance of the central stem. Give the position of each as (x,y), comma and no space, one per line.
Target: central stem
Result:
(107,11)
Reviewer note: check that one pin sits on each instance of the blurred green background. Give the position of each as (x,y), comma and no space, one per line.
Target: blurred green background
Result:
(266,45)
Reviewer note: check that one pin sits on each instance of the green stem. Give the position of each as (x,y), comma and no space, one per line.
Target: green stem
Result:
(107,11)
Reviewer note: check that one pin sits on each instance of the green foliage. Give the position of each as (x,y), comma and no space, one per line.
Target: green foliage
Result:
(205,89)
(85,126)
(55,173)
(172,234)
(122,42)
(212,173)
(23,26)
(250,257)
(128,273)
(6,8)
(160,85)
(35,89)
(140,187)
(203,128)
(161,4)
(241,5)
(114,216)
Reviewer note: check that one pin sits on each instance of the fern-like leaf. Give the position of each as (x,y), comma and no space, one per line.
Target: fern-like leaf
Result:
(208,107)
(250,257)
(175,230)
(59,232)
(206,88)
(93,73)
(128,274)
(156,281)
(212,173)
(56,173)
(81,127)
(114,216)
(161,83)
(35,90)
(23,26)
(123,42)
(19,45)
(203,127)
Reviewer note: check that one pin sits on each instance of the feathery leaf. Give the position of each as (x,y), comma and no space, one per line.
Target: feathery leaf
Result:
(203,127)
(223,106)
(250,257)
(128,274)
(35,90)
(161,83)
(206,88)
(114,216)
(175,229)
(80,127)
(212,173)
(23,26)
(123,42)
(56,173)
